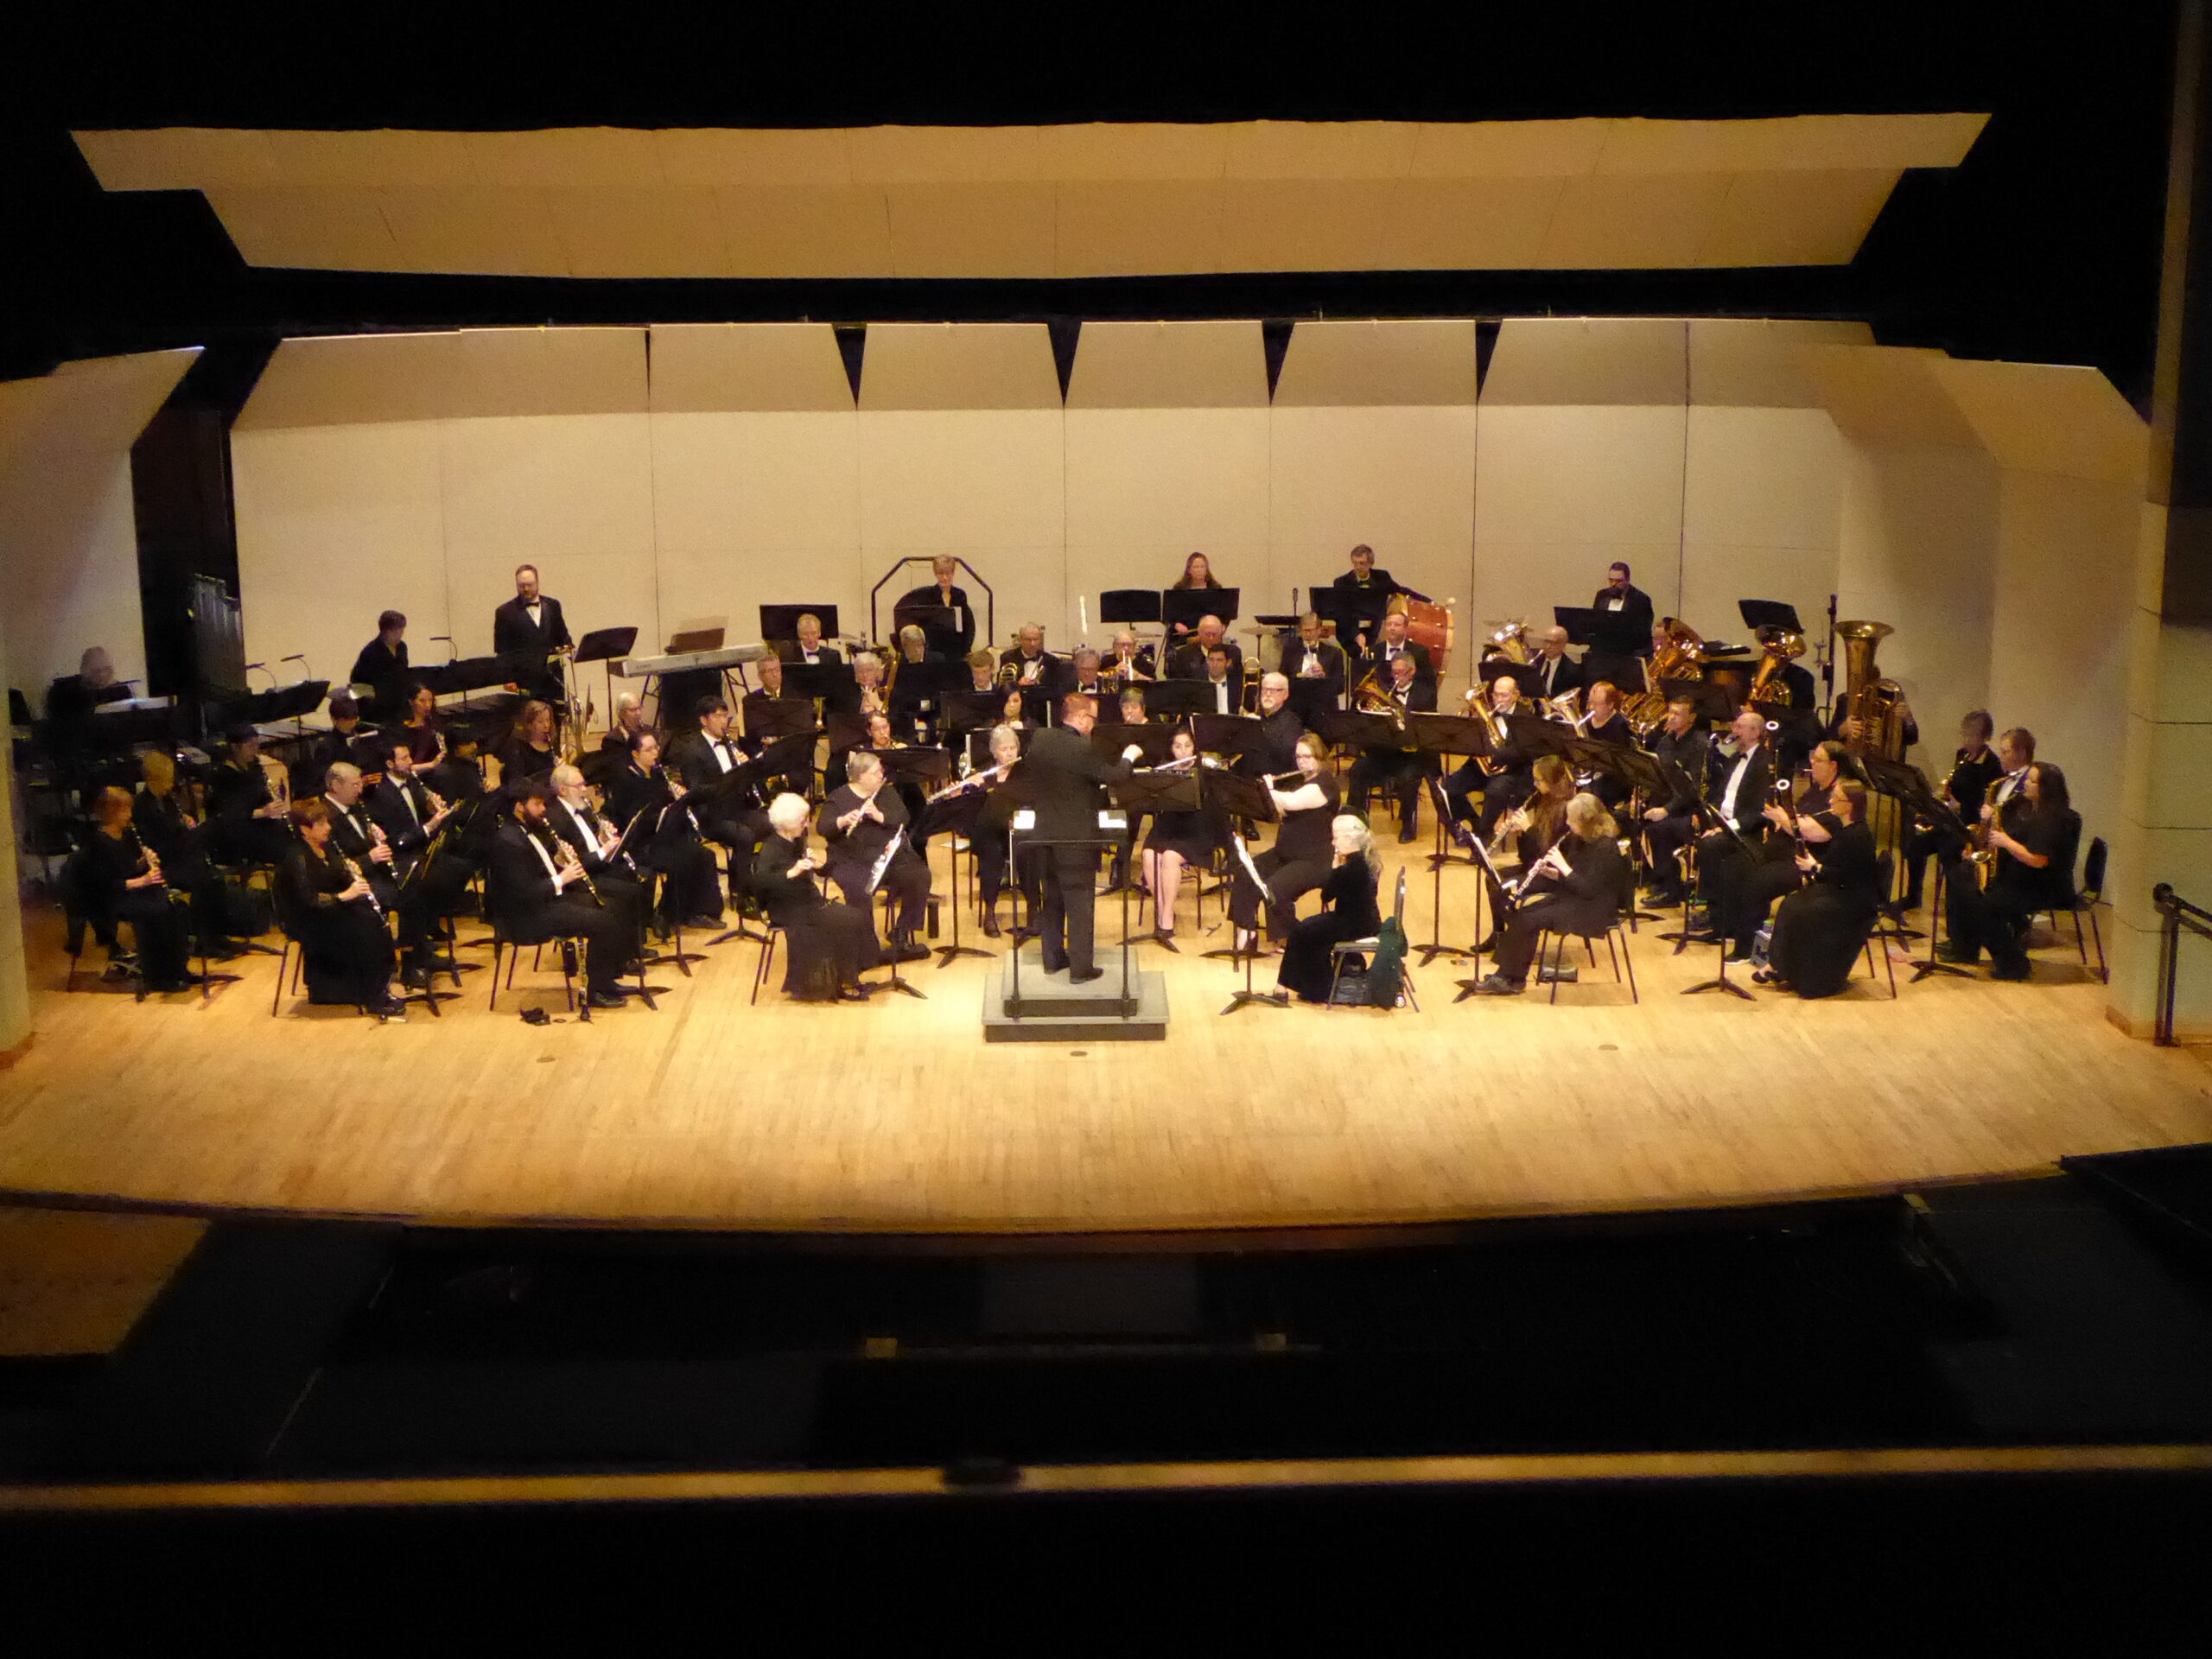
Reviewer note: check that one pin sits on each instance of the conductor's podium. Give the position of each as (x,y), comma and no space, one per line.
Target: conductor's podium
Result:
(1022,1003)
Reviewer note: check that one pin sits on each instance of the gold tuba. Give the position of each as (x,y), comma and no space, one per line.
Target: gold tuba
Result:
(1870,700)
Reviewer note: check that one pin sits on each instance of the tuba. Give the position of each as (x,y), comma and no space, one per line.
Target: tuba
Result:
(1869,699)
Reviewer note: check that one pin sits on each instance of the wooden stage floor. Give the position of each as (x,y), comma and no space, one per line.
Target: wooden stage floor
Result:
(897,1117)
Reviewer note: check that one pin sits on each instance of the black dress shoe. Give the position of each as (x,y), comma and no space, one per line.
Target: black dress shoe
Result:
(851,994)
(1086,975)
(990,925)
(1410,833)
(911,950)
(1496,985)
(703,922)
(2015,971)
(605,999)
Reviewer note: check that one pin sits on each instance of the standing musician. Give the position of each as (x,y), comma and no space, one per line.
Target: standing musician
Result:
(330,909)
(1399,772)
(1747,889)
(538,884)
(691,885)
(2032,837)
(912,701)
(1364,582)
(528,751)
(830,946)
(1393,645)
(1300,860)
(1198,572)
(382,666)
(172,827)
(593,839)
(417,722)
(411,816)
(250,821)
(941,593)
(1618,598)
(701,757)
(1317,670)
(1739,777)
(1670,825)
(1974,767)
(1063,776)
(1348,912)
(1179,838)
(1188,661)
(1820,929)
(1128,663)
(122,880)
(809,647)
(1008,786)
(858,821)
(531,622)
(1557,673)
(1575,887)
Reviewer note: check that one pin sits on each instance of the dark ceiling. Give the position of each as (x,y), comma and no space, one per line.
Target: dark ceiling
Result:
(2043,246)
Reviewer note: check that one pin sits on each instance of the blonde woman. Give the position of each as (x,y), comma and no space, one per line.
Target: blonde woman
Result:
(1575,887)
(1348,912)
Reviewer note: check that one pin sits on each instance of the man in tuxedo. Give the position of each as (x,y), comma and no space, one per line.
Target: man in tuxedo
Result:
(537,893)
(531,623)
(1670,825)
(1188,660)
(1392,644)
(1738,781)
(400,805)
(382,666)
(355,833)
(1618,598)
(1227,687)
(1557,673)
(702,757)
(1397,772)
(577,821)
(810,647)
(1036,671)
(948,643)
(1063,775)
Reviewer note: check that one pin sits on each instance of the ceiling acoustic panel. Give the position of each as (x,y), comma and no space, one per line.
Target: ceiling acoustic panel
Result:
(1083,200)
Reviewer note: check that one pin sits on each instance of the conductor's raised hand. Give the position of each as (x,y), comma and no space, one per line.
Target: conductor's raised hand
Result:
(1133,752)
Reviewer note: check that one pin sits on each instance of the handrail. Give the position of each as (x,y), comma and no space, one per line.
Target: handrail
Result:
(990,598)
(2175,913)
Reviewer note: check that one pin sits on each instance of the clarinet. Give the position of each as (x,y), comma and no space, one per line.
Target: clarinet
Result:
(560,852)
(355,870)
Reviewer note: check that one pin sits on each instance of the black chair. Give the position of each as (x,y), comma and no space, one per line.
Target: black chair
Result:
(80,917)
(767,956)
(1885,925)
(2087,897)
(1623,917)
(1339,952)
(510,941)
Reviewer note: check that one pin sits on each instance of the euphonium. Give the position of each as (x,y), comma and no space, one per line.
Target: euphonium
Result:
(1872,701)
(1767,685)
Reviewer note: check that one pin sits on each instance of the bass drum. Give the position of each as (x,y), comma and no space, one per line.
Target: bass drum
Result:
(1429,624)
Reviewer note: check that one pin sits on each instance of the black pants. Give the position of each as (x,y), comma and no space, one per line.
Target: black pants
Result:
(1749,888)
(1516,941)
(689,885)
(1920,846)
(158,931)
(609,932)
(1393,774)
(1066,920)
(907,880)
(1461,786)
(991,871)
(1665,840)
(1287,881)
(1995,920)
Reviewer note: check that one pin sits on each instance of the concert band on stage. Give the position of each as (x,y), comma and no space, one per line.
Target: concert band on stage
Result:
(1651,763)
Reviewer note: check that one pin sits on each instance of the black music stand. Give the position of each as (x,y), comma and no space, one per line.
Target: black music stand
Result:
(1179,699)
(897,982)
(938,681)
(831,684)
(1232,796)
(1230,735)
(1707,811)
(609,646)
(1184,608)
(940,626)
(1148,793)
(1353,611)
(1157,743)
(1448,830)
(969,710)
(1710,700)
(954,815)
(1768,613)
(781,621)
(1247,997)
(1909,787)
(1353,728)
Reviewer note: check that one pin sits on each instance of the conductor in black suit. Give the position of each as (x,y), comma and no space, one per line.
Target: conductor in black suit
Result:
(1618,598)
(1064,774)
(948,643)
(382,666)
(532,622)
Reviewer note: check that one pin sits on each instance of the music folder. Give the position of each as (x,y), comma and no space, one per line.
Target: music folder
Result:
(781,621)
(1188,605)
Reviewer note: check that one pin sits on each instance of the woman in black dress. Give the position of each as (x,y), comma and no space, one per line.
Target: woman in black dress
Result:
(1348,912)
(2034,842)
(1576,887)
(1300,860)
(1820,929)
(418,726)
(1008,794)
(829,946)
(1177,839)
(329,909)
(527,752)
(122,881)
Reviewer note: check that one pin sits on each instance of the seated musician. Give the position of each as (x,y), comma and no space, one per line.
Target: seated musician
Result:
(1500,778)
(170,827)
(1133,712)
(1032,671)
(702,757)
(593,838)
(1127,663)
(1604,721)
(418,724)
(1393,644)
(1975,767)
(1273,748)
(867,683)
(1397,772)
(1577,887)
(828,946)
(120,881)
(1670,825)
(1820,929)
(1008,795)
(1188,661)
(942,593)
(460,776)
(629,720)
(1300,860)
(250,820)
(982,668)
(1227,687)
(859,821)
(357,835)
(1084,675)
(1738,782)
(913,700)
(1016,710)
(2032,838)
(881,739)
(331,910)
(538,886)
(348,740)
(1180,838)
(1348,912)
(527,752)
(411,815)
(690,891)
(1557,673)
(1748,889)
(382,666)
(1316,667)
(1789,696)
(809,647)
